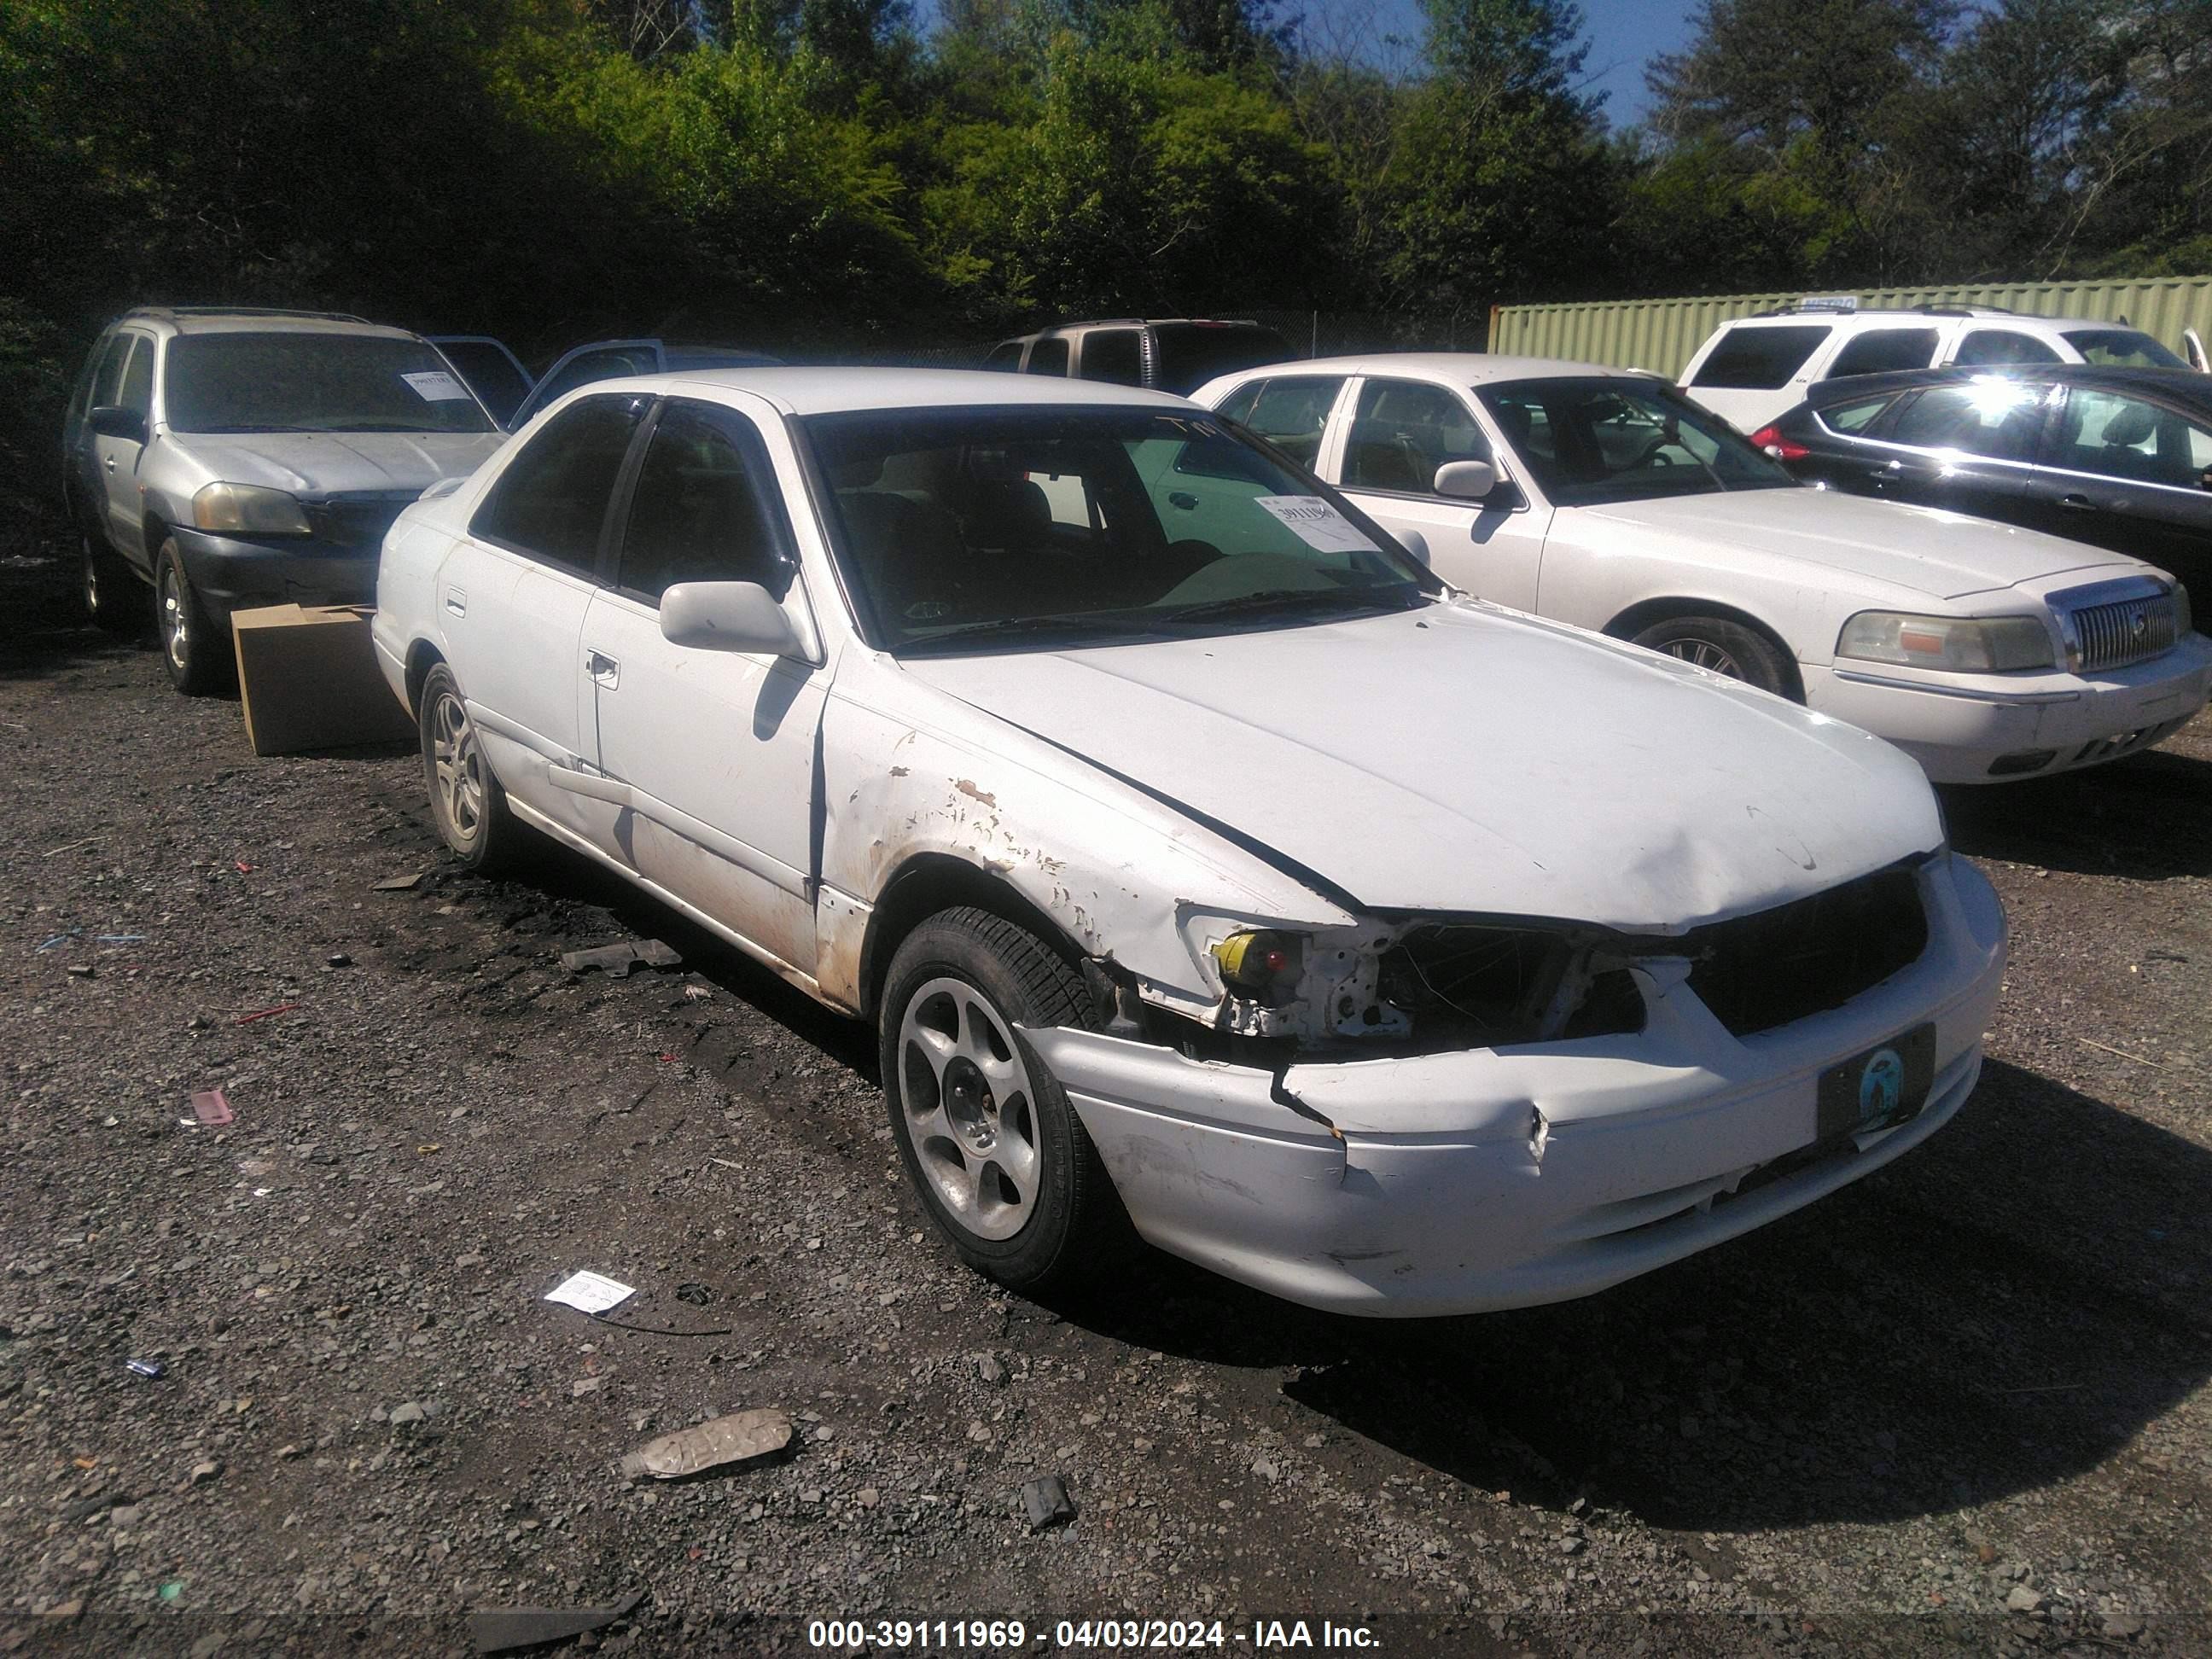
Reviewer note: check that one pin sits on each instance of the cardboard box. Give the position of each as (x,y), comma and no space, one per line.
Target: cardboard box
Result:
(308,679)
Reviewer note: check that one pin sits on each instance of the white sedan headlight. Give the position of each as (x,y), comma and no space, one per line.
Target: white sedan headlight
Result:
(1968,645)
(234,509)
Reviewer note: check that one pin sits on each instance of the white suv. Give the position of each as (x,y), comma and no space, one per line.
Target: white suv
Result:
(1753,369)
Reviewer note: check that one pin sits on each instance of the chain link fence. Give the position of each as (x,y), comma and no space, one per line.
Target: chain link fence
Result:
(1310,334)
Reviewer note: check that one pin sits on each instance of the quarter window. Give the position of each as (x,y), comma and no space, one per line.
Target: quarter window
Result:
(704,509)
(1402,431)
(1760,359)
(550,503)
(1048,356)
(1881,350)
(2002,345)
(1992,417)
(1847,418)
(1005,359)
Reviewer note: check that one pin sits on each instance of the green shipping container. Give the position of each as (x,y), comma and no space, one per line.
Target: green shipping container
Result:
(1663,335)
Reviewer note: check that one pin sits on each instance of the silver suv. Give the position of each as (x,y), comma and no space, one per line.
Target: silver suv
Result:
(234,458)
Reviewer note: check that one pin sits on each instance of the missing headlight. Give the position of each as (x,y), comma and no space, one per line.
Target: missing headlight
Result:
(1473,986)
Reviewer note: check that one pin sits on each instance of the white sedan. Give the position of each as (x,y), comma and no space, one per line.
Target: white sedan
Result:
(1388,950)
(1605,498)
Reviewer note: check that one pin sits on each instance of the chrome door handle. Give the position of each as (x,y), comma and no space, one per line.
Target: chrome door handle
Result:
(603,670)
(111,463)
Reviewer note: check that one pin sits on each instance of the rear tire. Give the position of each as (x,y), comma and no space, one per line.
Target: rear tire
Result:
(997,1154)
(1727,648)
(114,598)
(465,799)
(196,651)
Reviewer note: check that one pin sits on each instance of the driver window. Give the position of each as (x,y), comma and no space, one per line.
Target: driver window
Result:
(703,508)
(1402,431)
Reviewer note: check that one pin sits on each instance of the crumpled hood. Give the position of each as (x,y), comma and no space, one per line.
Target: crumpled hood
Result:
(1920,549)
(340,463)
(1461,758)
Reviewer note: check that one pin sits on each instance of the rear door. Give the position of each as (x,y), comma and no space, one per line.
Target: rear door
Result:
(1970,447)
(605,360)
(713,751)
(512,595)
(492,372)
(1398,433)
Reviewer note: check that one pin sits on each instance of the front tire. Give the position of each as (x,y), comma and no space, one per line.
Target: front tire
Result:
(465,799)
(113,600)
(1727,648)
(194,649)
(999,1157)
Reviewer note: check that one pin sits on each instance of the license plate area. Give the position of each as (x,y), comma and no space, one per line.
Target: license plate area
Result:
(1880,1088)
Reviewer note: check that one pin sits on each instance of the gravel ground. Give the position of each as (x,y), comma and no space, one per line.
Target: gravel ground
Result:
(1959,1407)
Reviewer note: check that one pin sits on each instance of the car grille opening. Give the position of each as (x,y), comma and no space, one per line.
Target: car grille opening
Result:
(2124,631)
(1756,972)
(355,520)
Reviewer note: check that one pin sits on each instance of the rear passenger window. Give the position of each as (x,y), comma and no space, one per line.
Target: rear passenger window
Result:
(1760,359)
(705,508)
(2002,345)
(1881,350)
(1115,356)
(1289,414)
(1048,358)
(551,501)
(1993,417)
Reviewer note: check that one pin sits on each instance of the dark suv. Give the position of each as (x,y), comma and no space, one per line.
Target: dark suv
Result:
(1168,354)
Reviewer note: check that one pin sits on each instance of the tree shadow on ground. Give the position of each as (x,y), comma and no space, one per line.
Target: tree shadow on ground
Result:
(2141,818)
(2002,1309)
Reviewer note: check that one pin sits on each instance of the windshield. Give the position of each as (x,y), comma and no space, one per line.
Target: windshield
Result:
(967,529)
(303,382)
(2121,348)
(1602,439)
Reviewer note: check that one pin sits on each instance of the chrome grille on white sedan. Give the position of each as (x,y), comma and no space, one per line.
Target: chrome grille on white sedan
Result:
(2121,631)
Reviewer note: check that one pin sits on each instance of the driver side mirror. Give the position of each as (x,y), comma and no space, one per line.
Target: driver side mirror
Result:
(113,420)
(739,616)
(1465,481)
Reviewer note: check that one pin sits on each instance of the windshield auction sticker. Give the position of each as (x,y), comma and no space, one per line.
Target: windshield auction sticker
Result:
(1316,524)
(435,386)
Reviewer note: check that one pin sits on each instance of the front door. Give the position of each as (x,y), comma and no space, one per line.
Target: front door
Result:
(117,459)
(1399,433)
(714,749)
(2133,476)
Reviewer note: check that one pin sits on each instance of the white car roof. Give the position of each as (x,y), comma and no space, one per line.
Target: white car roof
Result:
(1941,314)
(1453,367)
(832,391)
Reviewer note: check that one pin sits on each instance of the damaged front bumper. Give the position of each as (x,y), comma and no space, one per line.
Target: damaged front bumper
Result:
(1477,1180)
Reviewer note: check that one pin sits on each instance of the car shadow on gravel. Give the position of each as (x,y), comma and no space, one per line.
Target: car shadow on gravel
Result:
(2141,818)
(2003,1308)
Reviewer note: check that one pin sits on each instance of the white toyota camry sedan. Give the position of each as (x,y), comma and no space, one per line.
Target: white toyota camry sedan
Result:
(1604,497)
(1199,859)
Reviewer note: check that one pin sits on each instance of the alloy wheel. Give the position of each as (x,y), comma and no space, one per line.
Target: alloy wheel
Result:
(968,1098)
(176,621)
(458,763)
(1704,653)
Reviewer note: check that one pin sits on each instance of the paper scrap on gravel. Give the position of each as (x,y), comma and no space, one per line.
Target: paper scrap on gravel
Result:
(591,1293)
(209,1107)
